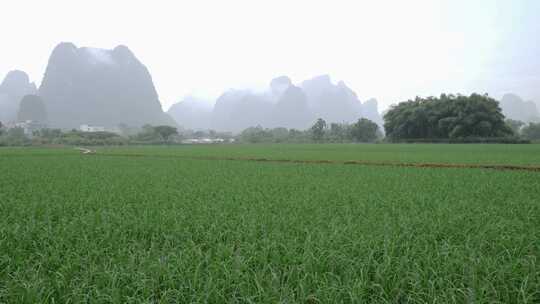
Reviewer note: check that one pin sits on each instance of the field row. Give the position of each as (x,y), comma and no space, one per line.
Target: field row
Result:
(487,154)
(478,154)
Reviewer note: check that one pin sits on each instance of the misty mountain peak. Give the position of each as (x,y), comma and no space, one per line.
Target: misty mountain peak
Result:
(325,80)
(124,55)
(281,81)
(511,98)
(15,79)
(195,102)
(372,102)
(283,105)
(192,112)
(65,47)
(99,86)
(279,85)
(316,86)
(348,91)
(63,50)
(98,56)
(15,85)
(514,107)
(370,110)
(123,50)
(66,55)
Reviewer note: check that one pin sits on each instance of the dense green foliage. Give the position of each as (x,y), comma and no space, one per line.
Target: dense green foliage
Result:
(515,125)
(449,116)
(165,132)
(364,130)
(532,131)
(155,133)
(16,137)
(318,129)
(277,135)
(90,138)
(120,229)
(13,137)
(147,135)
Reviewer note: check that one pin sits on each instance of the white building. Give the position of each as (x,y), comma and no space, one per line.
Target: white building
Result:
(89,128)
(203,141)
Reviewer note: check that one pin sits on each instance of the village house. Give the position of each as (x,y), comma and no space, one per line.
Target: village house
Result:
(89,128)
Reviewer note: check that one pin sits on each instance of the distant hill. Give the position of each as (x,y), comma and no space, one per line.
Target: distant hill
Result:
(192,113)
(335,103)
(370,110)
(514,107)
(236,110)
(32,108)
(13,88)
(282,105)
(292,110)
(100,87)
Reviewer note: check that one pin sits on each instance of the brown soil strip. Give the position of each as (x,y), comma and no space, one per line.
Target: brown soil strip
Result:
(348,162)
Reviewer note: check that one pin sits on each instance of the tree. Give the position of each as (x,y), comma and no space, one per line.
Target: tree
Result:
(279,134)
(340,131)
(255,135)
(147,133)
(515,125)
(48,133)
(449,116)
(16,137)
(298,136)
(126,130)
(165,132)
(364,130)
(318,129)
(531,131)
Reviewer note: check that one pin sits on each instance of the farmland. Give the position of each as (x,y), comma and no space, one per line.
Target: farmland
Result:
(401,153)
(190,224)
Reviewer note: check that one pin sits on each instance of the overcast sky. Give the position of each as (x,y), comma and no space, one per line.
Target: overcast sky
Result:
(391,50)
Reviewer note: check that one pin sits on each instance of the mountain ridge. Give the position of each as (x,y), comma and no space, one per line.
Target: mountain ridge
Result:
(284,104)
(84,85)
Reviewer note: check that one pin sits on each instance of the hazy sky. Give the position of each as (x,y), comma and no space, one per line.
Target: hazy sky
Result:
(391,50)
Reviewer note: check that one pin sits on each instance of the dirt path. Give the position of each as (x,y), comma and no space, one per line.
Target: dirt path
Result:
(85,150)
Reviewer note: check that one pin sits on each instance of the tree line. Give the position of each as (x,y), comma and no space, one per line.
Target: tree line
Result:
(364,130)
(448,118)
(530,131)
(146,135)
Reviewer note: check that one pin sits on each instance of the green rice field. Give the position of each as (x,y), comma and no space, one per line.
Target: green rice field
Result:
(208,224)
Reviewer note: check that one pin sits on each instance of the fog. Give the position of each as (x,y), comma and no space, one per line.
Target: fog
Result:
(388,50)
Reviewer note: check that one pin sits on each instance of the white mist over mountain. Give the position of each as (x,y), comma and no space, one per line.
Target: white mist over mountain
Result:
(391,50)
(99,56)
